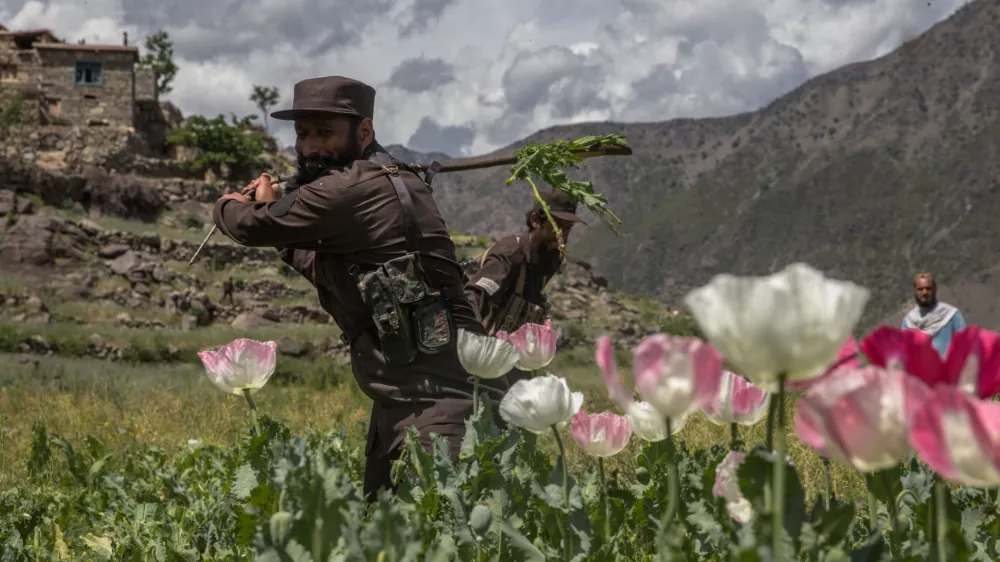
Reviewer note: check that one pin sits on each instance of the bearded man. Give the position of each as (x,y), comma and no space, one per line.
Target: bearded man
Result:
(365,230)
(937,319)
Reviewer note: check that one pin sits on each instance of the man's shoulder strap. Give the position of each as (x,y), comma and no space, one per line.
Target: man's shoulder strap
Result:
(411,228)
(482,258)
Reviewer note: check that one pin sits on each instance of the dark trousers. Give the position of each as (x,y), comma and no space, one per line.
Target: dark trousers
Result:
(432,406)
(517,375)
(378,467)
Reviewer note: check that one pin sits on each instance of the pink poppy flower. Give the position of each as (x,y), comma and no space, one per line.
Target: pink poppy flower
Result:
(958,436)
(600,435)
(676,375)
(971,364)
(727,486)
(648,423)
(860,417)
(673,375)
(535,344)
(242,364)
(737,401)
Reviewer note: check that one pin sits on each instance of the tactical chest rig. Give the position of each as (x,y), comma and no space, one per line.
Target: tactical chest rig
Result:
(409,316)
(515,311)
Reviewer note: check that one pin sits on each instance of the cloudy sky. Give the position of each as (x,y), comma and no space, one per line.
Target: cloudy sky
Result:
(470,76)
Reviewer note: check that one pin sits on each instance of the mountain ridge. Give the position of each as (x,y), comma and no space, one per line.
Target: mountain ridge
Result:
(877,169)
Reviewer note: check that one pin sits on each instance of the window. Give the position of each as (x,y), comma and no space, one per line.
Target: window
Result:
(89,73)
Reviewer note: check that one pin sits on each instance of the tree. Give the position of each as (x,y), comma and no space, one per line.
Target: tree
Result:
(265,97)
(160,59)
(236,145)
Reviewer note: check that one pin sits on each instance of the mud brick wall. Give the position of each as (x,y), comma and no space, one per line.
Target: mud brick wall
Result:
(110,103)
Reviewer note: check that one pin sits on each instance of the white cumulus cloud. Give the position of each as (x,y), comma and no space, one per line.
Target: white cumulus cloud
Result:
(470,76)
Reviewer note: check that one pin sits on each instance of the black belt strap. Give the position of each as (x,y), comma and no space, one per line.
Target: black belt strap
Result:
(411,228)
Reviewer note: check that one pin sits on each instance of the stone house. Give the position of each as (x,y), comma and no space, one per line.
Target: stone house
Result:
(77,84)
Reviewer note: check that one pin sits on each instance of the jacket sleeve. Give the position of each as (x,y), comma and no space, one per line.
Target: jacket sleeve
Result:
(319,214)
(490,284)
(302,261)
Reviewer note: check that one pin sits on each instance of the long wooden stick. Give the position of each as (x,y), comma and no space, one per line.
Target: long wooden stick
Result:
(478,163)
(463,165)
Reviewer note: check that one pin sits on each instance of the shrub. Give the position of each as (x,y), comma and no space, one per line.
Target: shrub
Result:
(235,145)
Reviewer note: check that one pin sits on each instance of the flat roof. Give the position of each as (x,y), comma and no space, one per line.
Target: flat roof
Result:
(87,47)
(90,48)
(26,32)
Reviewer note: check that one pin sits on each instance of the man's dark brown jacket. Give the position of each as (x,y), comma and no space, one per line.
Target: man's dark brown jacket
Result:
(500,277)
(353,217)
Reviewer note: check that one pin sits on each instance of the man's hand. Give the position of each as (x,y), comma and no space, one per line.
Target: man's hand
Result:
(236,197)
(264,188)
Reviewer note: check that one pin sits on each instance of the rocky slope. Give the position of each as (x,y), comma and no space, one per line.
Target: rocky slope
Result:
(62,261)
(870,172)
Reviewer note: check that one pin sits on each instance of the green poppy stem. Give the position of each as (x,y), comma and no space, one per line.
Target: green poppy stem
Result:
(604,499)
(872,503)
(673,491)
(734,437)
(475,395)
(778,402)
(769,440)
(827,483)
(253,411)
(893,507)
(941,516)
(567,545)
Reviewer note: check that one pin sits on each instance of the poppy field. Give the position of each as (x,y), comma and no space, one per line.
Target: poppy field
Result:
(920,430)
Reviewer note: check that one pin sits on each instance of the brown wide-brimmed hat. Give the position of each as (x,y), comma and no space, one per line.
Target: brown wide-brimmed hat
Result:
(561,206)
(330,95)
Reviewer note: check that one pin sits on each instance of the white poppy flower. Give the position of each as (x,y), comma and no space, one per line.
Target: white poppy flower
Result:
(793,322)
(242,364)
(484,356)
(539,403)
(648,424)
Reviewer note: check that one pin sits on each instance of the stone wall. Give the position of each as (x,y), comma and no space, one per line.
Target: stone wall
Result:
(145,85)
(111,103)
(153,120)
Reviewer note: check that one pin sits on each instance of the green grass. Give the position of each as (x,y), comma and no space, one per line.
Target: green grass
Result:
(179,232)
(154,346)
(127,403)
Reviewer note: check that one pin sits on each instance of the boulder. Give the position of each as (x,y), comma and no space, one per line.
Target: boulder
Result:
(251,320)
(125,263)
(39,240)
(12,203)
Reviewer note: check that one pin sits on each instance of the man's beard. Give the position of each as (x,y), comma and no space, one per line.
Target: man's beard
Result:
(323,163)
(548,261)
(930,304)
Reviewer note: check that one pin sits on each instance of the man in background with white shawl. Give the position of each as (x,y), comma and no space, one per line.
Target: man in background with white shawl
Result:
(939,320)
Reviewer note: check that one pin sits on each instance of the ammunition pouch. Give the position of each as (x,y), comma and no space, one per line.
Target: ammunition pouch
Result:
(409,316)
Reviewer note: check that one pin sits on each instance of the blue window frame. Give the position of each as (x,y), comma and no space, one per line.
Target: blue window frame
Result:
(89,73)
